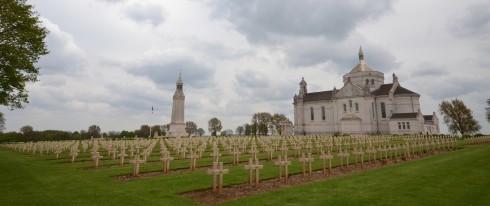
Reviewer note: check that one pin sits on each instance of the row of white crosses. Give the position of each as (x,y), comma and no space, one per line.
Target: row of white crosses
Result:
(238,145)
(478,140)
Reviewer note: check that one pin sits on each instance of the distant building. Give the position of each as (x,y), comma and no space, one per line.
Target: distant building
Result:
(177,125)
(364,105)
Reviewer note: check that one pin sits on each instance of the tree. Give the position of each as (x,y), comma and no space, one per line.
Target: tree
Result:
(261,121)
(239,130)
(488,109)
(27,130)
(214,126)
(227,132)
(277,120)
(125,133)
(200,132)
(190,128)
(2,122)
(76,135)
(156,129)
(458,117)
(21,46)
(113,134)
(83,134)
(248,129)
(144,131)
(93,131)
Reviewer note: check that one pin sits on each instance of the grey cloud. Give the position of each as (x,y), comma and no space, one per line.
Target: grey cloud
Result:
(475,22)
(448,86)
(428,69)
(195,74)
(256,86)
(113,1)
(153,14)
(261,21)
(312,51)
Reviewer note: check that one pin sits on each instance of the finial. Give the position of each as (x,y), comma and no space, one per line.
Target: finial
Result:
(395,78)
(361,54)
(179,80)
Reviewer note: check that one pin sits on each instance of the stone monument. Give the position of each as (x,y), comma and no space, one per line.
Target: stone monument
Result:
(177,125)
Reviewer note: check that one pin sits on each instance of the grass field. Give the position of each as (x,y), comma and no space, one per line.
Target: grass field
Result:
(456,178)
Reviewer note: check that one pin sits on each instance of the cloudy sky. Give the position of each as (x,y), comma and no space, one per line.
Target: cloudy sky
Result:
(112,60)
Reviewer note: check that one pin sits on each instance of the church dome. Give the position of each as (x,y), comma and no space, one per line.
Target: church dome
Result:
(361,66)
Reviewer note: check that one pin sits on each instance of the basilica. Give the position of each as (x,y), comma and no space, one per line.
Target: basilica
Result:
(364,105)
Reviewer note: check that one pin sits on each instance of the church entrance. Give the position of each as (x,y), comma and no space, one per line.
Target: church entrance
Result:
(351,124)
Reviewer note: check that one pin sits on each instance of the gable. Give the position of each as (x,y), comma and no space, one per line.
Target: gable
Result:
(349,90)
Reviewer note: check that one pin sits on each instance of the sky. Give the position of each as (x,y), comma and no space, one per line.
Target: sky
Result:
(111,61)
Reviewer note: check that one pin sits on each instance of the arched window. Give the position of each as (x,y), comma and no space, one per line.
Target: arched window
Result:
(312,114)
(357,107)
(367,81)
(383,110)
(323,113)
(345,108)
(372,81)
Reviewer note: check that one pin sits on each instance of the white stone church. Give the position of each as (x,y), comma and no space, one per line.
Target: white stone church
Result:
(364,105)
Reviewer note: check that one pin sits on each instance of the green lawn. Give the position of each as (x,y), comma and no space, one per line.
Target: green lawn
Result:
(457,178)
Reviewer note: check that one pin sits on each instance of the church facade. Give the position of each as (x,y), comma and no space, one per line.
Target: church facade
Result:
(364,105)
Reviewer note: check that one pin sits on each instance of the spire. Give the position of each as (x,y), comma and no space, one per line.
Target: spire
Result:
(361,66)
(395,78)
(179,80)
(361,54)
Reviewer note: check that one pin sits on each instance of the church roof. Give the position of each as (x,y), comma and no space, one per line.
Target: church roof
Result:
(404,115)
(385,90)
(317,96)
(362,67)
(428,117)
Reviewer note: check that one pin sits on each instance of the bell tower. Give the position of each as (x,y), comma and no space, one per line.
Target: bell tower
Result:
(177,125)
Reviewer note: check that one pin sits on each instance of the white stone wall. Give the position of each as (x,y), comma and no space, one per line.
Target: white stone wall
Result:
(406,104)
(415,126)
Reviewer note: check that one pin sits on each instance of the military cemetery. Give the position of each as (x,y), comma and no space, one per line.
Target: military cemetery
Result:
(315,124)
(226,178)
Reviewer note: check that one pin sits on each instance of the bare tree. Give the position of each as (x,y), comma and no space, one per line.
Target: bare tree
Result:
(458,117)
